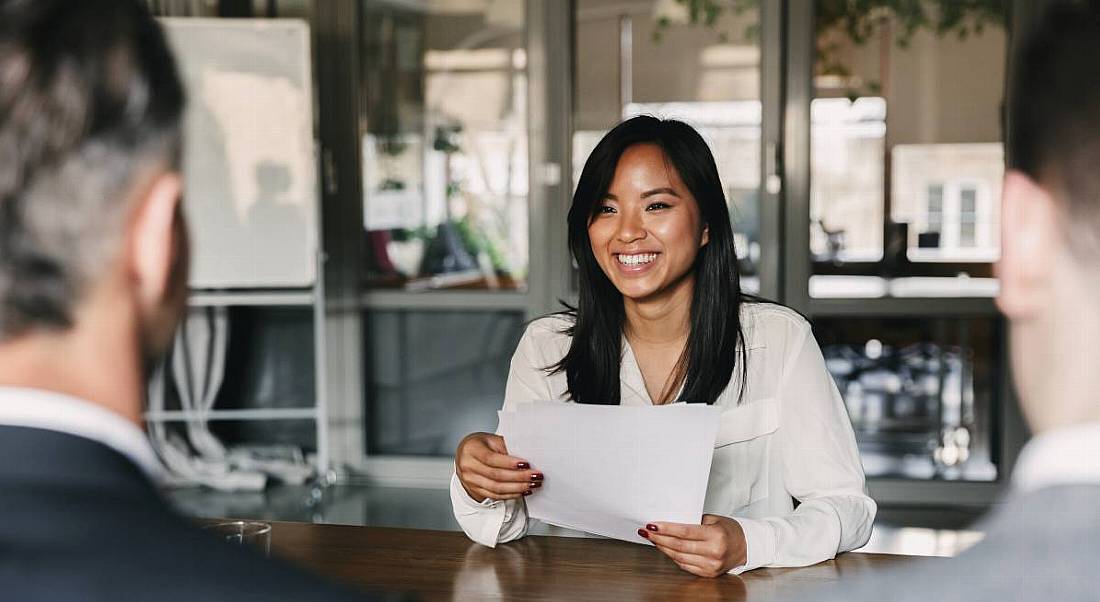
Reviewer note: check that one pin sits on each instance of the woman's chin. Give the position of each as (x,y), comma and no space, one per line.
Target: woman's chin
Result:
(653,288)
(638,292)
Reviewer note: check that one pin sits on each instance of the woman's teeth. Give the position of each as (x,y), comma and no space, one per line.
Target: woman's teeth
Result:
(637,259)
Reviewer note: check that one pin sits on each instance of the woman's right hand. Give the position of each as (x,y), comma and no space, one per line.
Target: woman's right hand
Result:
(487,471)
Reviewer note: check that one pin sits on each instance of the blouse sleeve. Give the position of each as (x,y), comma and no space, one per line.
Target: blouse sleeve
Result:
(497,521)
(822,470)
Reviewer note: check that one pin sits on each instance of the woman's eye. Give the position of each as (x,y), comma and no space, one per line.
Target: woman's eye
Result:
(604,209)
(657,205)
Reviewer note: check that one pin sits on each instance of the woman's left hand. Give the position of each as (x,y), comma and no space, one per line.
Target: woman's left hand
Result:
(708,550)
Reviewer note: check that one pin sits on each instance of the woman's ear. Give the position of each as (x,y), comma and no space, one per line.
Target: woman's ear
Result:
(706,236)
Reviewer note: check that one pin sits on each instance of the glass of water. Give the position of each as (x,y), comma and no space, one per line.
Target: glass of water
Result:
(240,532)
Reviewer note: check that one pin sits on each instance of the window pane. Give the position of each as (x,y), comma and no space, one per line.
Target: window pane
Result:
(935,203)
(908,106)
(444,144)
(919,392)
(966,234)
(647,57)
(967,203)
(435,377)
(933,225)
(846,156)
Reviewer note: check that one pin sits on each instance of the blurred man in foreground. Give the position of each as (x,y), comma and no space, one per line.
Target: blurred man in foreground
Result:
(93,273)
(1043,541)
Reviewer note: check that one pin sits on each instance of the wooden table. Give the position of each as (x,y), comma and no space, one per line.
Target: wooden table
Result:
(440,565)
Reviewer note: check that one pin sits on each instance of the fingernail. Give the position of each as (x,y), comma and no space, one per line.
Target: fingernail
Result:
(536,476)
(535,485)
(651,527)
(642,533)
(527,492)
(522,466)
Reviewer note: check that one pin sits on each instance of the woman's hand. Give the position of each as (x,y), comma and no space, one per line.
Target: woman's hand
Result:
(487,471)
(708,550)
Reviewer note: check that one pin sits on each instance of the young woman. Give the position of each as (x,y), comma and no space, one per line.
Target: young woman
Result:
(661,318)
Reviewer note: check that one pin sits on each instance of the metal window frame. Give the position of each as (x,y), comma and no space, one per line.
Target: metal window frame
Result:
(336,56)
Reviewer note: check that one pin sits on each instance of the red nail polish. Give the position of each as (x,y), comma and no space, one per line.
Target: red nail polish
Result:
(535,485)
(651,527)
(527,492)
(522,466)
(536,476)
(642,533)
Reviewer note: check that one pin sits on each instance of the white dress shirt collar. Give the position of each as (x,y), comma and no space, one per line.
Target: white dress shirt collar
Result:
(1065,456)
(47,410)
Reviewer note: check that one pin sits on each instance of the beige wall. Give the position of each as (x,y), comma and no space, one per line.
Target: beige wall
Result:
(940,89)
(689,63)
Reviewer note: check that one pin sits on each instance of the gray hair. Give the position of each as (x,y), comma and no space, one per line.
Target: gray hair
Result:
(89,98)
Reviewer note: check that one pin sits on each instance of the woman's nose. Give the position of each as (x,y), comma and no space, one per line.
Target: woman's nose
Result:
(631,227)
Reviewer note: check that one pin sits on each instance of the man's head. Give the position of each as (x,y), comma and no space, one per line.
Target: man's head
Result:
(1050,258)
(90,109)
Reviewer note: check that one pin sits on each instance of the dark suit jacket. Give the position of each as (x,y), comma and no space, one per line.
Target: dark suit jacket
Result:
(79,521)
(1043,545)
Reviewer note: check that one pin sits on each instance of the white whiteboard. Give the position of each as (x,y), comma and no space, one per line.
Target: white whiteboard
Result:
(249,162)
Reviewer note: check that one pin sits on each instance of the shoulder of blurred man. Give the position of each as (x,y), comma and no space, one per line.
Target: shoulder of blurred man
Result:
(1038,545)
(78,520)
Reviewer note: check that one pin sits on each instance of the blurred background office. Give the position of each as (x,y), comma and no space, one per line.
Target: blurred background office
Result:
(378,191)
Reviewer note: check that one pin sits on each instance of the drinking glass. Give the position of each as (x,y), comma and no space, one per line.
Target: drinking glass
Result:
(239,532)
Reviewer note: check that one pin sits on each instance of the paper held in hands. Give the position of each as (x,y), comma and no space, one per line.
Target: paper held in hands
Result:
(611,469)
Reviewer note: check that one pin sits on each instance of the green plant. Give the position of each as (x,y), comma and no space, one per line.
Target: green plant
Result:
(477,241)
(861,21)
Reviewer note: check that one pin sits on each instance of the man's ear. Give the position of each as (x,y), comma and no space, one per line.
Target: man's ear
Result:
(1030,239)
(154,235)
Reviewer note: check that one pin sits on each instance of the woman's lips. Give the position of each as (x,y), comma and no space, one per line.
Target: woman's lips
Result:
(635,263)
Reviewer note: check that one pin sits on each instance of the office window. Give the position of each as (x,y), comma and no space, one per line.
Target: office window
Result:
(444,144)
(906,145)
(934,213)
(968,213)
(846,195)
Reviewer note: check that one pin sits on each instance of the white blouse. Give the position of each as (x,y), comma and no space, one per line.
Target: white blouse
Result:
(788,439)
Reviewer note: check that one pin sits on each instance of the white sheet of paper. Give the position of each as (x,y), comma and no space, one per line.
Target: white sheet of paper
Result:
(609,470)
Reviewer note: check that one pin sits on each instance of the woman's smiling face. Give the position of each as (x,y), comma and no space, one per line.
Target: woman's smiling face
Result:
(647,231)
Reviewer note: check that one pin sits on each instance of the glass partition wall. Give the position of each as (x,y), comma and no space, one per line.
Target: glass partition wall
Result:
(906,164)
(906,146)
(458,101)
(654,57)
(444,144)
(893,164)
(859,149)
(460,184)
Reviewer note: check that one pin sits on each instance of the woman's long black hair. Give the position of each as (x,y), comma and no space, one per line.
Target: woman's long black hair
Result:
(714,346)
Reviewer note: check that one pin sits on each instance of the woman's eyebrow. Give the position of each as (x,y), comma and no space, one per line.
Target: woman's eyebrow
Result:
(657,191)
